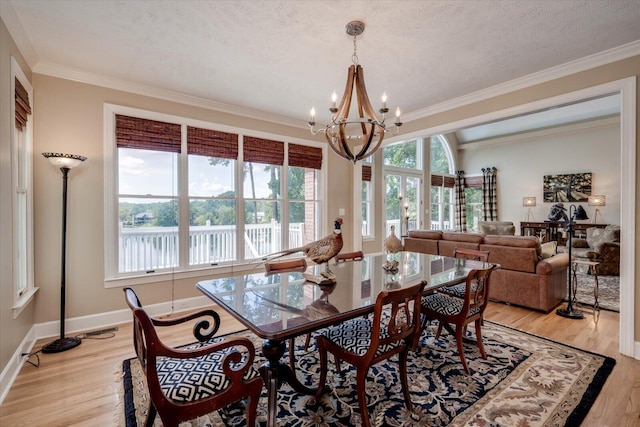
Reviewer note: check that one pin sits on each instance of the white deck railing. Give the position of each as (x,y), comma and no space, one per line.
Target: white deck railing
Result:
(150,248)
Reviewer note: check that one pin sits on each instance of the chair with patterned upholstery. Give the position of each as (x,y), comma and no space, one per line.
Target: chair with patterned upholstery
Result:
(460,312)
(363,342)
(461,253)
(187,382)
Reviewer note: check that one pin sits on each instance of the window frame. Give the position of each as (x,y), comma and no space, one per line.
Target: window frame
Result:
(22,163)
(112,277)
(441,188)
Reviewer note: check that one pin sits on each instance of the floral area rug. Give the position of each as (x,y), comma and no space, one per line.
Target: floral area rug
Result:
(525,381)
(608,291)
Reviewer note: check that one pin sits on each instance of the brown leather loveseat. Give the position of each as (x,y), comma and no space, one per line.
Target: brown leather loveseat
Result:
(524,278)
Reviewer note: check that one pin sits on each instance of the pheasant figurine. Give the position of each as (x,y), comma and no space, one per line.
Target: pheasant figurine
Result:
(320,251)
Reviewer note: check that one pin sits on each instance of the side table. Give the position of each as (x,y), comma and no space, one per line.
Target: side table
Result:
(593,269)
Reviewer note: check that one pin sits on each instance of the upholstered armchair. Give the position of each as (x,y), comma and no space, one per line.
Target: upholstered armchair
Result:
(602,245)
(499,228)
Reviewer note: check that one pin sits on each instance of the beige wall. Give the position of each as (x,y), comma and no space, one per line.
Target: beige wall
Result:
(70,120)
(12,331)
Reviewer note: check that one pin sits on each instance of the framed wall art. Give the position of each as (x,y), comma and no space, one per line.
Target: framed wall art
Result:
(574,187)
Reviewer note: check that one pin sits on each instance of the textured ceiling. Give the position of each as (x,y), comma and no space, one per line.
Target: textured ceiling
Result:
(283,57)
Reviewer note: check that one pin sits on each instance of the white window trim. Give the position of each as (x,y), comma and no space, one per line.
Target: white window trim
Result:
(22,300)
(112,278)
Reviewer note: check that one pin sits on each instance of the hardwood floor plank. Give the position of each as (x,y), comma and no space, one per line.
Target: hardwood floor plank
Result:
(79,387)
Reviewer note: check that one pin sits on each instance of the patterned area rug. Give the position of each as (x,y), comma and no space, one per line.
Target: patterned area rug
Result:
(608,291)
(526,380)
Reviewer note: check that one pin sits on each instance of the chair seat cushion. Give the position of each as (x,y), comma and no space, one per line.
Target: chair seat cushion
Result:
(458,290)
(187,380)
(444,304)
(354,336)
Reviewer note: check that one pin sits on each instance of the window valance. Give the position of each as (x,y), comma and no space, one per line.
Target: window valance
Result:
(212,143)
(144,134)
(22,106)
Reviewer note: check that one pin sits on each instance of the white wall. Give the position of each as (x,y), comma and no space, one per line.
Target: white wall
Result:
(523,160)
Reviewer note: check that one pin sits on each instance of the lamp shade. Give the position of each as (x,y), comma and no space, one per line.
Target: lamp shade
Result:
(597,200)
(68,161)
(579,214)
(528,201)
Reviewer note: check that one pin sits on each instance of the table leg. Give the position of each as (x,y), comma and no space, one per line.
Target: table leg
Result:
(274,373)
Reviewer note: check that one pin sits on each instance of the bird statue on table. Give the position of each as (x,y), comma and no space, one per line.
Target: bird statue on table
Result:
(321,251)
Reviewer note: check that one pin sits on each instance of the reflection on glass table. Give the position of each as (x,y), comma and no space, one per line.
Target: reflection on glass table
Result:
(282,306)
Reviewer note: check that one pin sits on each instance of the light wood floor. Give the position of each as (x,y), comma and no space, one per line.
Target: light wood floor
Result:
(78,387)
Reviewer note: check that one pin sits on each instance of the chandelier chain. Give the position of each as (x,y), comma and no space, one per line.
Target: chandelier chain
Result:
(354,57)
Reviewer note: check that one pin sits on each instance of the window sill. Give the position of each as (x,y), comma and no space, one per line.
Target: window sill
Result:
(23,302)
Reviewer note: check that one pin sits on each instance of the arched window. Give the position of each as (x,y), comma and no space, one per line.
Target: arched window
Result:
(442,183)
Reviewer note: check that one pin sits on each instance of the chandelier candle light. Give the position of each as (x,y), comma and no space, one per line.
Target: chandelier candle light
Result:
(65,162)
(366,140)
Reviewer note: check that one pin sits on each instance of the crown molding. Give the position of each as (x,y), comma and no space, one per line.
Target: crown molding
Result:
(552,131)
(19,35)
(63,72)
(588,62)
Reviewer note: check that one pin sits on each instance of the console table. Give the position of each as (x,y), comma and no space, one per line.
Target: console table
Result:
(548,231)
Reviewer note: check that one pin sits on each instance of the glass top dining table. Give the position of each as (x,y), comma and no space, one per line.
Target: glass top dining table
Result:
(282,306)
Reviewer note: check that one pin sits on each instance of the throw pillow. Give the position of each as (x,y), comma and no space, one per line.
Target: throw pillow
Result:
(598,236)
(548,249)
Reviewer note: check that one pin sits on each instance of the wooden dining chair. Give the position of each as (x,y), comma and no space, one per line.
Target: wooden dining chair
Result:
(187,382)
(461,253)
(460,312)
(363,342)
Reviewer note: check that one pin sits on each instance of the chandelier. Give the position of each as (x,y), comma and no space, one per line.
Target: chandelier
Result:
(358,137)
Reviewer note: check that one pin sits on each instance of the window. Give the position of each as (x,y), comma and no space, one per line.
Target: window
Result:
(22,188)
(442,185)
(189,195)
(367,200)
(473,201)
(403,180)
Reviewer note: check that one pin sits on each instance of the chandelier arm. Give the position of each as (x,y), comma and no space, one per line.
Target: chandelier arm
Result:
(345,102)
(363,98)
(338,150)
(364,155)
(342,141)
(367,143)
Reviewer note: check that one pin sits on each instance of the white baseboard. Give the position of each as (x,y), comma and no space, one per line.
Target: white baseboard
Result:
(81,324)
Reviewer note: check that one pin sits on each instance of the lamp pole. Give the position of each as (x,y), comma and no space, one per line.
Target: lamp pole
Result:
(65,162)
(571,312)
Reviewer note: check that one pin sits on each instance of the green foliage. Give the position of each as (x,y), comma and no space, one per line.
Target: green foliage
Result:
(403,155)
(439,157)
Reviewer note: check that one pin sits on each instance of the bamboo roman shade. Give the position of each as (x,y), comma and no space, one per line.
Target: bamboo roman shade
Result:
(22,107)
(303,156)
(212,143)
(438,180)
(144,134)
(366,173)
(261,150)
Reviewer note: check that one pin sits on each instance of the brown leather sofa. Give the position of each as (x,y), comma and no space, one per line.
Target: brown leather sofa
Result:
(524,277)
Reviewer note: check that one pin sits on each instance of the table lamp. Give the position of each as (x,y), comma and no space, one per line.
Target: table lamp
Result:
(529,202)
(597,201)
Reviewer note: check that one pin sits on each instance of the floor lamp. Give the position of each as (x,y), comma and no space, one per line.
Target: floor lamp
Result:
(578,215)
(65,162)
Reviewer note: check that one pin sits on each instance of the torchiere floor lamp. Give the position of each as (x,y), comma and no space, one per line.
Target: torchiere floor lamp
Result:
(578,215)
(65,162)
